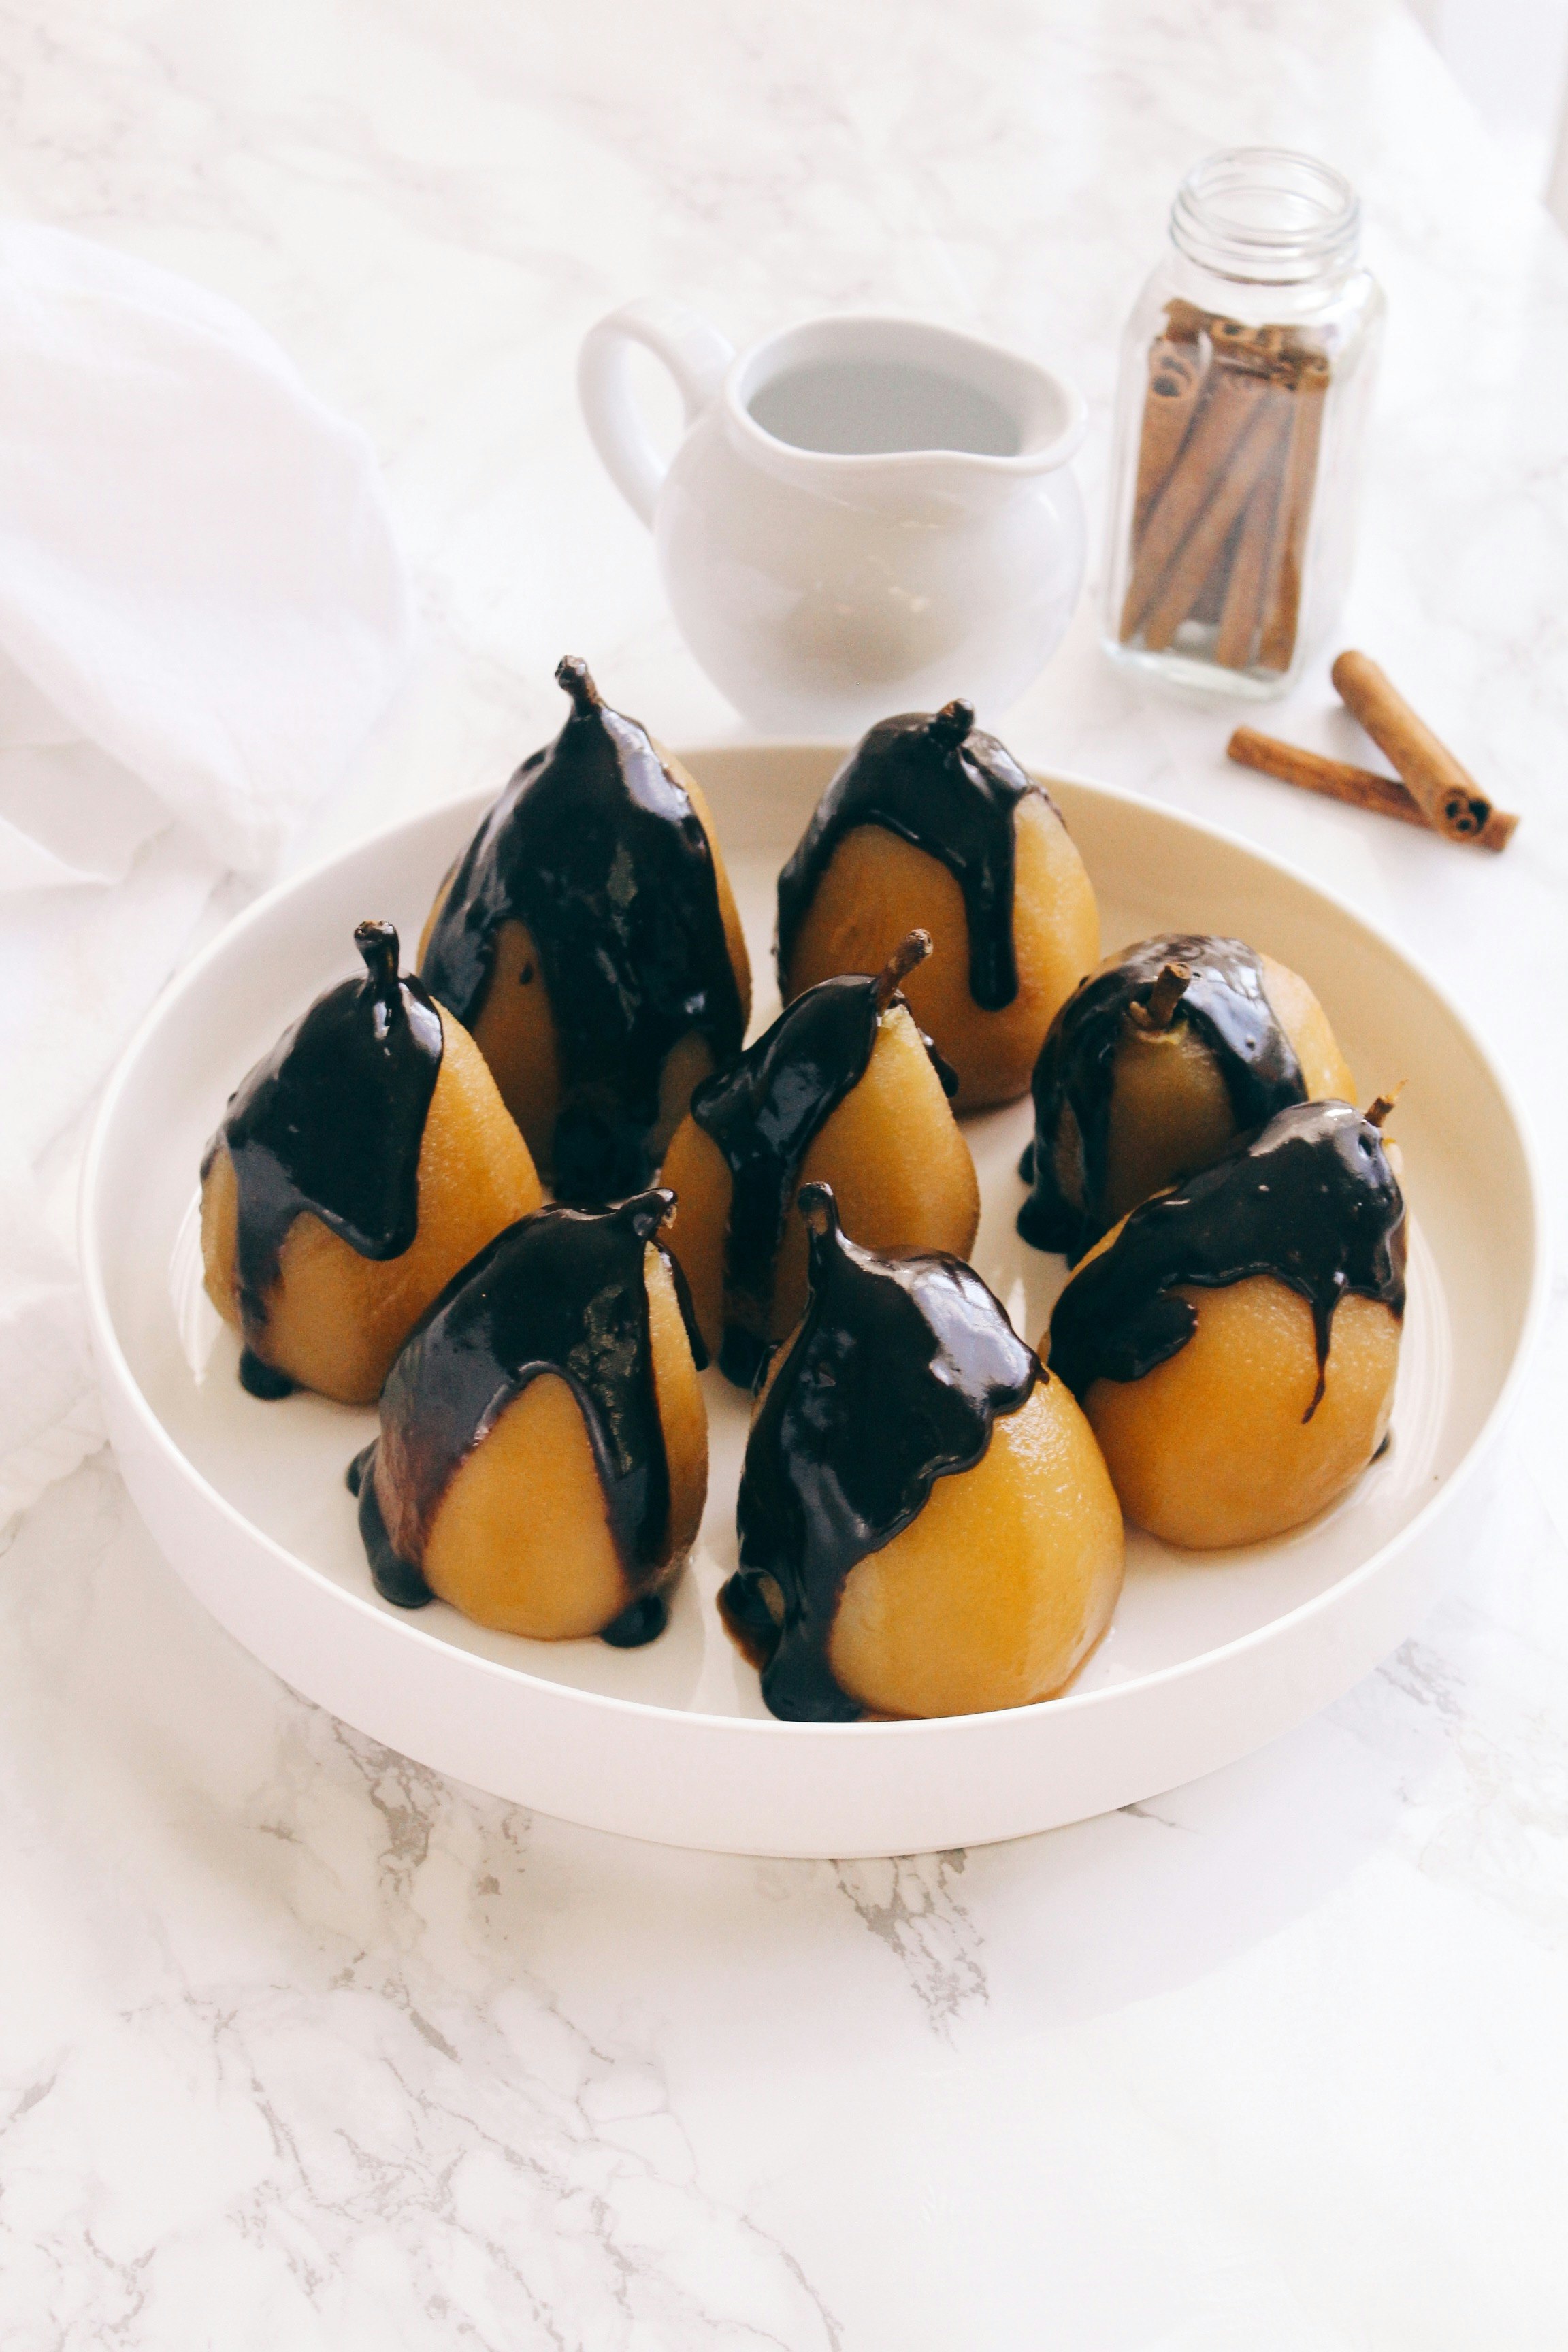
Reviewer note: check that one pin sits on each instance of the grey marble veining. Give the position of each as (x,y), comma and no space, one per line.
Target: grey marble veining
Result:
(302,2045)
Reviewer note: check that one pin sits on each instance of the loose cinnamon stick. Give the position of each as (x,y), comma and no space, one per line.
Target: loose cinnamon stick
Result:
(1359,787)
(1447,792)
(1175,388)
(1211,451)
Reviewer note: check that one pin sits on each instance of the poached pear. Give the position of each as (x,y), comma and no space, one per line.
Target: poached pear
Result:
(1155,1066)
(843,1089)
(357,1167)
(589,938)
(1235,1341)
(542,1462)
(926,1525)
(932,823)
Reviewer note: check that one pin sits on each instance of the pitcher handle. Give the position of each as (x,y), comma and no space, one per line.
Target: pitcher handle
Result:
(696,355)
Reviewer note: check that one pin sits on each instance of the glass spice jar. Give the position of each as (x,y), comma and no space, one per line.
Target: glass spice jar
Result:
(1247,370)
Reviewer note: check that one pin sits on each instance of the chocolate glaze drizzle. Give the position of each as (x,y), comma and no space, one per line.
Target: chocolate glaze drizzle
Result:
(562,1291)
(899,1369)
(938,782)
(598,851)
(331,1121)
(763,1114)
(1312,1200)
(1222,999)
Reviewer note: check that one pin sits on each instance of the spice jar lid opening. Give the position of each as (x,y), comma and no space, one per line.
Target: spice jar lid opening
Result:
(1266,216)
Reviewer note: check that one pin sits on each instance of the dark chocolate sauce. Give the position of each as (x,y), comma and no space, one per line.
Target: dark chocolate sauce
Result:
(899,1369)
(938,782)
(262,1380)
(562,1291)
(644,1621)
(1223,1000)
(597,850)
(1312,1200)
(763,1114)
(331,1122)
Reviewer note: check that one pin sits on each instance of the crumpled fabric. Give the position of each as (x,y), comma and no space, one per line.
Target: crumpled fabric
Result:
(203,612)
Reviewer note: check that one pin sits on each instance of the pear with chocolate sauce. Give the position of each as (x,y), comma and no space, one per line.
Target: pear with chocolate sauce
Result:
(357,1168)
(926,1525)
(933,825)
(589,938)
(1235,1341)
(843,1089)
(1155,1066)
(542,1462)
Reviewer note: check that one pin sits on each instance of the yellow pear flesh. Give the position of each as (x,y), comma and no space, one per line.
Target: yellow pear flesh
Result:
(335,1319)
(515,1026)
(892,1152)
(1212,1448)
(1170,1109)
(520,1540)
(879,887)
(997,1592)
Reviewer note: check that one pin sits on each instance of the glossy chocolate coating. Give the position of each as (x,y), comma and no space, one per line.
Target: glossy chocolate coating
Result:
(1224,1002)
(1312,1200)
(763,1114)
(562,1291)
(331,1121)
(938,781)
(596,848)
(899,1367)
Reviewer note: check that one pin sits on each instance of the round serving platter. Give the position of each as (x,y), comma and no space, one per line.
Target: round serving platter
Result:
(1208,1655)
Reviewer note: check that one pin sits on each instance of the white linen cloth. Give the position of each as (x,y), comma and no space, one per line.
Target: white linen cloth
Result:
(203,612)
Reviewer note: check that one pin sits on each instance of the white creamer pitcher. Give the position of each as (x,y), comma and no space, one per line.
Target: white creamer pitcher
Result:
(864,515)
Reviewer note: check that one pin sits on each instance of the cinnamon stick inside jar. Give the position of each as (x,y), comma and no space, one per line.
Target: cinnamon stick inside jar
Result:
(1227,462)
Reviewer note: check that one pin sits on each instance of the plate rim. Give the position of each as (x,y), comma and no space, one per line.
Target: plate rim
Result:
(110,1355)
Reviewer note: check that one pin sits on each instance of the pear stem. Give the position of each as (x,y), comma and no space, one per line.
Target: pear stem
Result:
(1159,1009)
(647,1211)
(1378,1110)
(951,724)
(377,943)
(573,677)
(910,952)
(820,1210)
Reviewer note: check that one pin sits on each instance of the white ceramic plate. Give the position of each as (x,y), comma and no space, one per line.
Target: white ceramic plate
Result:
(1207,1657)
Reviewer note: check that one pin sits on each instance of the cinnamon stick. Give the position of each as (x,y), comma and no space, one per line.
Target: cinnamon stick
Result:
(1176,387)
(1241,614)
(1358,787)
(1281,588)
(1250,457)
(1445,791)
(1213,449)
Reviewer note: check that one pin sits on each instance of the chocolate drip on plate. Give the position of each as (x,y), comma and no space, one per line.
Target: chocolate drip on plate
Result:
(596,848)
(331,1121)
(1223,999)
(901,1366)
(938,781)
(562,1291)
(263,1379)
(765,1114)
(1312,1200)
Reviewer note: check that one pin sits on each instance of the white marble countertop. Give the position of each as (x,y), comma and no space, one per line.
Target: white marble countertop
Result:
(301,2045)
